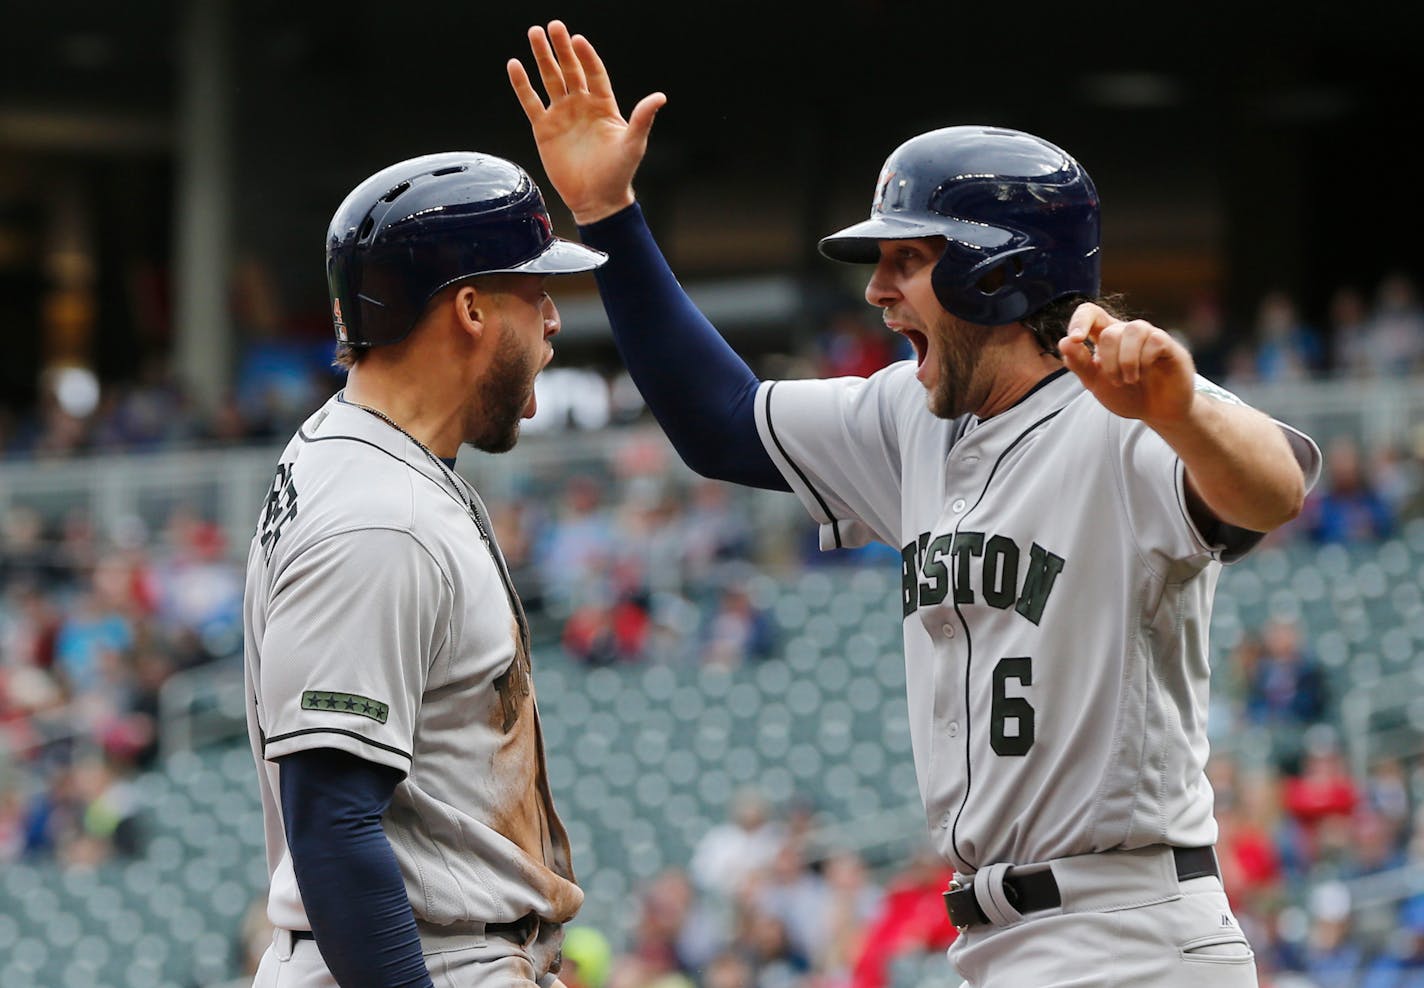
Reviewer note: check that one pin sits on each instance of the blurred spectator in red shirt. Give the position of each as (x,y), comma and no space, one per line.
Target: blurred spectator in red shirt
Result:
(607,628)
(912,920)
(1323,796)
(1246,847)
(853,346)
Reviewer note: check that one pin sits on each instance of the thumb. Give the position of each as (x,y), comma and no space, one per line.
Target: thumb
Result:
(1078,357)
(640,121)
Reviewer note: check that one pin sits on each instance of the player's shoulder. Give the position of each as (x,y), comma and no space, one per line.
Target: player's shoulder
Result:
(892,390)
(351,471)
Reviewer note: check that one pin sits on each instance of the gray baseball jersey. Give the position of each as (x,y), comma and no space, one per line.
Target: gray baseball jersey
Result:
(1056,599)
(380,621)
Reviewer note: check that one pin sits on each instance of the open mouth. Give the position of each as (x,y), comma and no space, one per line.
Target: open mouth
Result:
(920,342)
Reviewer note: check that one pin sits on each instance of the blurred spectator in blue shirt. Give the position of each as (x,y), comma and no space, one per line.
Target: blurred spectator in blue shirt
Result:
(1401,964)
(1287,348)
(1286,684)
(1347,508)
(1394,339)
(738,630)
(92,627)
(1332,957)
(1350,327)
(1204,334)
(578,543)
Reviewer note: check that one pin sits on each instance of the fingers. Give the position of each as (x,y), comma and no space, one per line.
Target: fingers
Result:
(568,66)
(1120,352)
(1087,321)
(549,71)
(524,90)
(1159,347)
(569,63)
(594,70)
(1079,358)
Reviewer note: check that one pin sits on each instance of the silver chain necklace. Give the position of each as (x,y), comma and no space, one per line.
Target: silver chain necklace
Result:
(467,498)
(464,493)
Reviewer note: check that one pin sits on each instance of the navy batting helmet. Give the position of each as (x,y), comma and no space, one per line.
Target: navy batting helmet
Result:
(1019,214)
(420,225)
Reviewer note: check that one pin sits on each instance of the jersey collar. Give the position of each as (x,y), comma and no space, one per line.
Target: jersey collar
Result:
(340,417)
(1052,389)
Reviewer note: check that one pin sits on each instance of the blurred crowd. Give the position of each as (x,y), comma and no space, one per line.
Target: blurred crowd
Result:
(641,564)
(638,563)
(92,625)
(1370,332)
(762,904)
(1365,333)
(1323,866)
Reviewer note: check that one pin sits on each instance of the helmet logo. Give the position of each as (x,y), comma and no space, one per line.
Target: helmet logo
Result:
(337,320)
(880,191)
(543,220)
(886,177)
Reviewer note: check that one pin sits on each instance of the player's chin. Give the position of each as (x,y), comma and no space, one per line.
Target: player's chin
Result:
(942,403)
(499,435)
(501,442)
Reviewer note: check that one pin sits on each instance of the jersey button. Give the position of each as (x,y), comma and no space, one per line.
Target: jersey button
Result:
(954,728)
(948,630)
(958,505)
(944,822)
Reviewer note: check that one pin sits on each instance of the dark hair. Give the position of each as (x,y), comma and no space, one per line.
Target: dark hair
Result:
(348,356)
(1050,323)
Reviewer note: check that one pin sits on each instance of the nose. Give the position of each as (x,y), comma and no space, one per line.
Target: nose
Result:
(880,290)
(552,325)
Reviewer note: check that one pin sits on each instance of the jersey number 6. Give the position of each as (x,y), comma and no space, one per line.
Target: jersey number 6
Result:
(1011,708)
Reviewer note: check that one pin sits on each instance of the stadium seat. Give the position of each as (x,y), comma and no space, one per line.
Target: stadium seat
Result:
(644,760)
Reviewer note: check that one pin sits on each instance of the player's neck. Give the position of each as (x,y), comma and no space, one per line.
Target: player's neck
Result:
(1014,381)
(420,408)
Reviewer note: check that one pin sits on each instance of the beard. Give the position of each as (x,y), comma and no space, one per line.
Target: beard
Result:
(961,349)
(505,395)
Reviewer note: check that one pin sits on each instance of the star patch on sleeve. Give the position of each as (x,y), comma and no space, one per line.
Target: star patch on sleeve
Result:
(1205,387)
(346,703)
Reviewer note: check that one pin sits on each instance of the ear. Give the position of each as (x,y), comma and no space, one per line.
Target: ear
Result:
(472,309)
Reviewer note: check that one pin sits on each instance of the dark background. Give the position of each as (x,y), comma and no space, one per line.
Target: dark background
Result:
(1237,148)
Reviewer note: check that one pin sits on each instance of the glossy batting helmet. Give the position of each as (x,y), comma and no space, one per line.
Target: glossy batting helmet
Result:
(1019,214)
(420,225)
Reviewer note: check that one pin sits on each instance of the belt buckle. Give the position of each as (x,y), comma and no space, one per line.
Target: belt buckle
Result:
(955,885)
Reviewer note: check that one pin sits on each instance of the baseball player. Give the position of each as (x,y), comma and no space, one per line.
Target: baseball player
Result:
(1062,487)
(410,831)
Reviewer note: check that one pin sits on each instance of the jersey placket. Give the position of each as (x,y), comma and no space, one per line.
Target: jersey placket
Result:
(950,632)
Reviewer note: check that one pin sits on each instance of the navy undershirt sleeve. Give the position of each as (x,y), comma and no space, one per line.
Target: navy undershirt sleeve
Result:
(697,387)
(351,886)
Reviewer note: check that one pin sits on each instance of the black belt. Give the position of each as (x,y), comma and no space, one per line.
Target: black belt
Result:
(1038,890)
(520,931)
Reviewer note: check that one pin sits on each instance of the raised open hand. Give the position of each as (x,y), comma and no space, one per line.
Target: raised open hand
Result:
(589,151)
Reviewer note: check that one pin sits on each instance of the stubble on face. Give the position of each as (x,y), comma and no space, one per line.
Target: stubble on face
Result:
(958,390)
(504,394)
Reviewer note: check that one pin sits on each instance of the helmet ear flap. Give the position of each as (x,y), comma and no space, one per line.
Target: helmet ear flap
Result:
(985,291)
